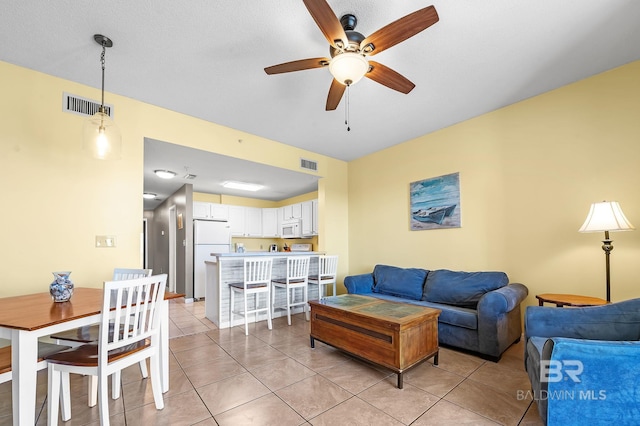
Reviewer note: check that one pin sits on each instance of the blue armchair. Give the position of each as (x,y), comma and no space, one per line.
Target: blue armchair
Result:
(584,363)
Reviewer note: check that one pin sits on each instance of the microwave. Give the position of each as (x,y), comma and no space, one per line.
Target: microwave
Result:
(291,229)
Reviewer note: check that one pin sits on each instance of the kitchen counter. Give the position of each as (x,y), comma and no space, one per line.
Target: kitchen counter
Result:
(229,267)
(269,254)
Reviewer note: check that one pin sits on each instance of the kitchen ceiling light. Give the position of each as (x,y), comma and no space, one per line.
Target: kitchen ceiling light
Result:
(242,185)
(149,196)
(101,136)
(165,174)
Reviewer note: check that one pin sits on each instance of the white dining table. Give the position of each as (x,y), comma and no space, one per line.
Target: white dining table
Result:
(25,319)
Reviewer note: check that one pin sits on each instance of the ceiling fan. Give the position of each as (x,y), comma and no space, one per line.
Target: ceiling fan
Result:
(350,50)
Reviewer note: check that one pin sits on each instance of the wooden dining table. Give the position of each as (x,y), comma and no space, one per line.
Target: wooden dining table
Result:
(24,319)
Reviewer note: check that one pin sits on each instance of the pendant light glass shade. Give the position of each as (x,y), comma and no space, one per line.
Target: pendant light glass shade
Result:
(102,137)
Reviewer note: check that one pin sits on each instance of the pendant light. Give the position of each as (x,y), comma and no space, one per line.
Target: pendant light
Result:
(101,136)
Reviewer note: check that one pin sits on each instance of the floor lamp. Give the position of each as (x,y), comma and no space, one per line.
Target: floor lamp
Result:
(606,216)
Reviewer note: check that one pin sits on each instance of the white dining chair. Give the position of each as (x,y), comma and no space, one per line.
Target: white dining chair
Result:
(89,333)
(135,305)
(327,274)
(257,281)
(297,278)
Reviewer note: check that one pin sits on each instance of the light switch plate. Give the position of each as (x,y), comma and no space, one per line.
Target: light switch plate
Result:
(107,241)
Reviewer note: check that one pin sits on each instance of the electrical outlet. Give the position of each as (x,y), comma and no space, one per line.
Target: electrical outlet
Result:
(103,241)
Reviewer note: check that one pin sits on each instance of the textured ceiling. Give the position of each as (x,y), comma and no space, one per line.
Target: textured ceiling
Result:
(206,58)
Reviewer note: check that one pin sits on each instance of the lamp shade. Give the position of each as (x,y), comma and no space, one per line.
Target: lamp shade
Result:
(348,68)
(101,137)
(606,216)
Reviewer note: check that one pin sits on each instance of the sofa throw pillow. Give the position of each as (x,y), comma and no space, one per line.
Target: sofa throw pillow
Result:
(400,282)
(462,289)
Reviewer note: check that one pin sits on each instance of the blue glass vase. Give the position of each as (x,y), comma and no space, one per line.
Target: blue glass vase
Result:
(61,289)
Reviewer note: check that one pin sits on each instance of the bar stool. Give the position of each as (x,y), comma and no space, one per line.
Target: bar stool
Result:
(297,278)
(257,279)
(327,272)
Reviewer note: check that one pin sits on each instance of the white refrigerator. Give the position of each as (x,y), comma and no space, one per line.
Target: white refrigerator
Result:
(208,237)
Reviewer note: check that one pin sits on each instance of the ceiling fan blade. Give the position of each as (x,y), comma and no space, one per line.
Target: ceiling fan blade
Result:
(300,65)
(388,77)
(328,22)
(400,30)
(335,95)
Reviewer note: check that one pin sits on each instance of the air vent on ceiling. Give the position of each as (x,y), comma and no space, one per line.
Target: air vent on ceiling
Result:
(189,176)
(82,106)
(308,164)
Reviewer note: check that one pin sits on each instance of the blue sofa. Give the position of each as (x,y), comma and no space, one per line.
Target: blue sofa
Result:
(480,310)
(584,363)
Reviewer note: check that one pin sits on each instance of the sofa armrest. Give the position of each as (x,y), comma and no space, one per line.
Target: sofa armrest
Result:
(502,300)
(598,379)
(359,284)
(499,320)
(616,321)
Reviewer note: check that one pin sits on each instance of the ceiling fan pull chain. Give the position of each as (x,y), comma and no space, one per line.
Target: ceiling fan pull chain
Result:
(346,111)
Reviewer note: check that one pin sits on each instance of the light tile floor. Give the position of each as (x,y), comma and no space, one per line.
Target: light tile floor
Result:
(273,377)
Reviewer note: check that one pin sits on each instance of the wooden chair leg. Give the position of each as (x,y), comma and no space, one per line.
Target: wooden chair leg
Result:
(289,306)
(143,369)
(103,396)
(269,321)
(54,395)
(156,385)
(93,391)
(65,389)
(115,384)
(231,303)
(246,319)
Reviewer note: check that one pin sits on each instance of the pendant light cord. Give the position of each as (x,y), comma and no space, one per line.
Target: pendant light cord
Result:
(102,61)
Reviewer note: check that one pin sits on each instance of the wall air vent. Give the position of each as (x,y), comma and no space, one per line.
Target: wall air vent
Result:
(82,106)
(308,164)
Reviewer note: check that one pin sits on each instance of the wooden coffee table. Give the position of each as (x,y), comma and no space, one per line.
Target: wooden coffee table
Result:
(397,336)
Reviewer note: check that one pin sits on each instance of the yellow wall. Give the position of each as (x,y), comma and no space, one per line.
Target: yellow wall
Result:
(56,200)
(528,174)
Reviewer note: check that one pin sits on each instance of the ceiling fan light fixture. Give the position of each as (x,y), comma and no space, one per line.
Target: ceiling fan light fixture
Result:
(348,67)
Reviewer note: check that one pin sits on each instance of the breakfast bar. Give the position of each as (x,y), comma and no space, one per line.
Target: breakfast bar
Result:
(229,267)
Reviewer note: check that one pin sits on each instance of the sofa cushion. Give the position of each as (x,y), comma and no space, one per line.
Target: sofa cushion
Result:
(401,282)
(461,288)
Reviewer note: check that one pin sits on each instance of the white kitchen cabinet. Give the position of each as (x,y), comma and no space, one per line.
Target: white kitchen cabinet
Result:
(201,210)
(253,222)
(211,211)
(237,220)
(307,218)
(219,211)
(292,211)
(270,222)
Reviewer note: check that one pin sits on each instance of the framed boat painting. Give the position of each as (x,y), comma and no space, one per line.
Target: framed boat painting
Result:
(435,203)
